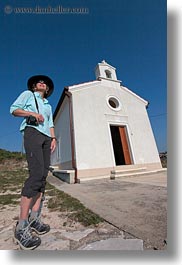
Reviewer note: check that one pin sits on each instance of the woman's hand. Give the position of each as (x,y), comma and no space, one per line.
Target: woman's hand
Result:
(53,145)
(38,117)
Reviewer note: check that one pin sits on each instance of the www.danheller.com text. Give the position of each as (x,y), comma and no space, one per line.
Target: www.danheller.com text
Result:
(46,10)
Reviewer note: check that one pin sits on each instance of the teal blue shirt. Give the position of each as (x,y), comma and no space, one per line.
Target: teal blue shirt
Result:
(26,101)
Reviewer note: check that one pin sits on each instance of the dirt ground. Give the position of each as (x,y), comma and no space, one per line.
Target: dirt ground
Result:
(61,237)
(134,207)
(66,233)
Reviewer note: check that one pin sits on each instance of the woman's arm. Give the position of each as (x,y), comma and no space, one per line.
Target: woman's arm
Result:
(17,108)
(53,141)
(24,113)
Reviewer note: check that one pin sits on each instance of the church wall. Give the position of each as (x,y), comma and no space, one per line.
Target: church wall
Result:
(92,117)
(62,155)
(92,120)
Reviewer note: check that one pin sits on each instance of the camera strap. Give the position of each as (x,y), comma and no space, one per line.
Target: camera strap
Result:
(36,103)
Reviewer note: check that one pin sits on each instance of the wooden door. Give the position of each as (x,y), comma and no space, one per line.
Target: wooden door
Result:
(124,141)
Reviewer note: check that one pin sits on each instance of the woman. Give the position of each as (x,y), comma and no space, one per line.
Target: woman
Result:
(39,141)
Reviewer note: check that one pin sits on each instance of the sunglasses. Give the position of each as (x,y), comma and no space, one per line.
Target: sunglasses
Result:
(42,82)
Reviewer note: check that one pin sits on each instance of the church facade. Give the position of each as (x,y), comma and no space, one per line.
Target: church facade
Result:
(103,130)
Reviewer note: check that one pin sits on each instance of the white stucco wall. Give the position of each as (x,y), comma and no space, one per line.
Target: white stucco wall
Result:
(62,132)
(92,120)
(141,134)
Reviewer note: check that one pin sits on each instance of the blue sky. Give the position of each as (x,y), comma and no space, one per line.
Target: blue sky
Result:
(128,34)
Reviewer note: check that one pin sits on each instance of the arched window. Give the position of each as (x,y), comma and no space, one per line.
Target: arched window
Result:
(108,74)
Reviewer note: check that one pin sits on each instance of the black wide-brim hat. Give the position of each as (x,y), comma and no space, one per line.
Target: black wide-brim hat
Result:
(34,80)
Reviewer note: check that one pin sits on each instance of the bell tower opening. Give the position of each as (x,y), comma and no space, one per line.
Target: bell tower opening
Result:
(108,74)
(106,71)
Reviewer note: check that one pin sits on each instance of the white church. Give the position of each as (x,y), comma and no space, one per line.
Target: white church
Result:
(103,131)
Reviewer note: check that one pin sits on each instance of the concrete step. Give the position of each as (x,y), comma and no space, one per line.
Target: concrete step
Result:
(128,171)
(65,175)
(83,179)
(116,173)
(124,174)
(141,173)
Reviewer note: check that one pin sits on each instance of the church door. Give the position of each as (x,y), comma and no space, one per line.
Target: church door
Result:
(120,145)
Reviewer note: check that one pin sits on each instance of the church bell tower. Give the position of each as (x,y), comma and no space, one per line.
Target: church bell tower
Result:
(104,70)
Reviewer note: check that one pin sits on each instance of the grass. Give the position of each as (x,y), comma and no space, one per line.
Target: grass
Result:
(4,155)
(12,180)
(62,202)
(9,199)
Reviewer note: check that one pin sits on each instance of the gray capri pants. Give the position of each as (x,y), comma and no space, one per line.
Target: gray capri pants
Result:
(37,148)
